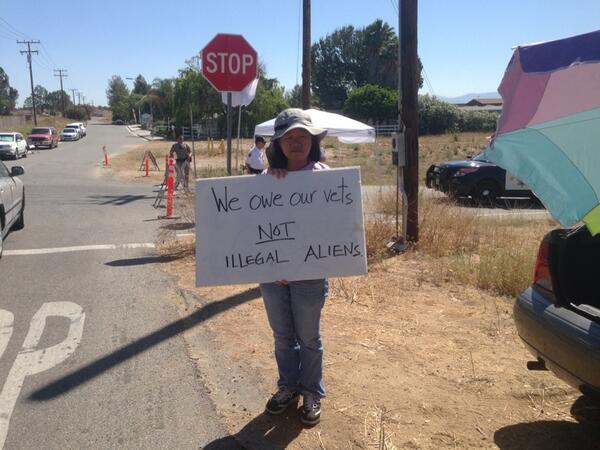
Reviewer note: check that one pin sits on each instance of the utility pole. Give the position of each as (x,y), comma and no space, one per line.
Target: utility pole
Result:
(306,61)
(29,52)
(410,111)
(73,92)
(62,73)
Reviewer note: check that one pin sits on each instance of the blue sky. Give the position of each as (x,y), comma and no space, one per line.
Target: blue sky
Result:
(464,44)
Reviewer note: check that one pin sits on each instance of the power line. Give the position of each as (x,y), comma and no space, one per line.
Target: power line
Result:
(29,52)
(427,80)
(18,34)
(53,63)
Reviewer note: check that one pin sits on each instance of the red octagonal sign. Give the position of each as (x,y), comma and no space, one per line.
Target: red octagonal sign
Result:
(229,62)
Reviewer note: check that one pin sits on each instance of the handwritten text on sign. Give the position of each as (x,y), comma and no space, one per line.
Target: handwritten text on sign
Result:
(258,229)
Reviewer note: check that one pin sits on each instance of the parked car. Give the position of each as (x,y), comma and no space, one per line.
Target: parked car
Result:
(12,201)
(13,145)
(477,178)
(558,316)
(74,128)
(118,122)
(43,137)
(69,134)
(82,129)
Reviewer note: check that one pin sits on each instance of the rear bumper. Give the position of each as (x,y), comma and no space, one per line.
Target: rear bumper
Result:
(567,342)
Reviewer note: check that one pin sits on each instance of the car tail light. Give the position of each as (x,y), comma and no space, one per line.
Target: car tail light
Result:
(542,276)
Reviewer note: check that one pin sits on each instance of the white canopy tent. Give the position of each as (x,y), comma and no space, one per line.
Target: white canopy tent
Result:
(348,131)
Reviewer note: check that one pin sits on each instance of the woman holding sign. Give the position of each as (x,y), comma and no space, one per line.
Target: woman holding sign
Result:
(294,307)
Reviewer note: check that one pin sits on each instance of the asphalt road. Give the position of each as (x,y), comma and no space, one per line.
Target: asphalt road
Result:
(91,354)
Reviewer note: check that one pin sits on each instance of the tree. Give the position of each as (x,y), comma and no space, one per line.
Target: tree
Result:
(294,97)
(54,101)
(117,91)
(372,102)
(140,85)
(436,116)
(40,93)
(267,103)
(349,58)
(335,63)
(8,95)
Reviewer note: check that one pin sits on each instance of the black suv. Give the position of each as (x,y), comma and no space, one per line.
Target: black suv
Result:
(476,177)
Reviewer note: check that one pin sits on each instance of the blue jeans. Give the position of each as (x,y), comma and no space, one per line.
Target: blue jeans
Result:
(294,313)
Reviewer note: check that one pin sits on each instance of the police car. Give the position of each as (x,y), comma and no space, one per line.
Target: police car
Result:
(477,178)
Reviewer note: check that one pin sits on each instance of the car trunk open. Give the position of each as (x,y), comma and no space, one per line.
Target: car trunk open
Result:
(574,257)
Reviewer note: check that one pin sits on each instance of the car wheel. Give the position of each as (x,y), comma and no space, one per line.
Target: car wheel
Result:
(486,192)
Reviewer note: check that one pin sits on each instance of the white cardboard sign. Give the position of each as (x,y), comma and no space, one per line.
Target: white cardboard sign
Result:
(305,226)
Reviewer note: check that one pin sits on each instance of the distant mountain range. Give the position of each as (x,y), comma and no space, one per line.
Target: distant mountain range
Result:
(465,98)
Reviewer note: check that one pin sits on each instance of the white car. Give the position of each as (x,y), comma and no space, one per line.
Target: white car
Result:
(69,134)
(82,130)
(12,201)
(13,145)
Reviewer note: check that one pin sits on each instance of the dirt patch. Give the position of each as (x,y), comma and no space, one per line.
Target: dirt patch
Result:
(409,361)
(413,358)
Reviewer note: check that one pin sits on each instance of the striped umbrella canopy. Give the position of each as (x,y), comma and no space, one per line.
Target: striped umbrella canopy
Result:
(548,135)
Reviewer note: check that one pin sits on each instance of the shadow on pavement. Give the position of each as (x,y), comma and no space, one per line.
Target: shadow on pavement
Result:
(95,368)
(118,200)
(140,261)
(263,432)
(555,434)
(179,226)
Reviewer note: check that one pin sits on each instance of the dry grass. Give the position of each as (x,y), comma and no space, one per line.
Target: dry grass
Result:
(488,253)
(44,121)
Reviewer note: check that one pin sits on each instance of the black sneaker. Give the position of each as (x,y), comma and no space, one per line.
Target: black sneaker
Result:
(311,410)
(283,398)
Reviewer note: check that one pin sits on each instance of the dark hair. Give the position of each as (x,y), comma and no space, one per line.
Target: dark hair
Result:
(258,139)
(277,160)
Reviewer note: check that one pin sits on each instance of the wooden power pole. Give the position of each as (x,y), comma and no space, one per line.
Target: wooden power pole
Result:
(29,53)
(306,61)
(410,111)
(62,73)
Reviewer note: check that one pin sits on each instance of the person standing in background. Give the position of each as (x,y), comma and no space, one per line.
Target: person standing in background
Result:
(182,154)
(255,161)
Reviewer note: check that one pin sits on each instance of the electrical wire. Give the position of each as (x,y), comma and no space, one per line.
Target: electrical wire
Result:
(427,81)
(18,34)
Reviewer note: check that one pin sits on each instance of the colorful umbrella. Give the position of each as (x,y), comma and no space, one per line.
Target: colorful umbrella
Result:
(548,135)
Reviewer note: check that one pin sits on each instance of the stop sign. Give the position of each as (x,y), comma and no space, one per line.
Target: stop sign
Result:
(229,62)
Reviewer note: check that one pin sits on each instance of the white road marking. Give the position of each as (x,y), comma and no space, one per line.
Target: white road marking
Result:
(79,248)
(30,361)
(6,329)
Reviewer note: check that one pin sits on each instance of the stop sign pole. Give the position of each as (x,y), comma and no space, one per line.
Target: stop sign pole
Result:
(229,64)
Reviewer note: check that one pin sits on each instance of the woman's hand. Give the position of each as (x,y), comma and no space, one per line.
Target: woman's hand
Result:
(278,173)
(282,282)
